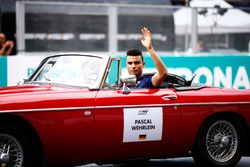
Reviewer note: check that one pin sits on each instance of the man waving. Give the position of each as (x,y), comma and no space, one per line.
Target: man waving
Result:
(135,63)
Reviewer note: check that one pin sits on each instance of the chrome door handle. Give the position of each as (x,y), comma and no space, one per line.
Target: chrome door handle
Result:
(87,113)
(169,97)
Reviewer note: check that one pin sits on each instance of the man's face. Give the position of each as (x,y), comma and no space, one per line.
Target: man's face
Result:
(134,65)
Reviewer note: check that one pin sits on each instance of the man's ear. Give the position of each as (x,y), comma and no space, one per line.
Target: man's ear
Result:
(143,63)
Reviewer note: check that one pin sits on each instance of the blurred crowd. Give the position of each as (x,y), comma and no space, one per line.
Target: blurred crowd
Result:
(6,46)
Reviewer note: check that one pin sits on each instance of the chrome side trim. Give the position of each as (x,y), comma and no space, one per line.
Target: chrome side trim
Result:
(126,106)
(137,106)
(174,104)
(216,103)
(48,109)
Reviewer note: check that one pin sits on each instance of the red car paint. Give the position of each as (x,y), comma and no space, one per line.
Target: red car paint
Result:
(79,125)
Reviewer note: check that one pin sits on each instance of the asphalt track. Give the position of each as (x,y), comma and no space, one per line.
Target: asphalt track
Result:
(173,162)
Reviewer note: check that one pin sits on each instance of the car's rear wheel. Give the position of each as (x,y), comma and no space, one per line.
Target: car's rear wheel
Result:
(15,147)
(219,143)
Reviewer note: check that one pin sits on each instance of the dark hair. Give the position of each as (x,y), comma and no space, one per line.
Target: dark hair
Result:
(135,52)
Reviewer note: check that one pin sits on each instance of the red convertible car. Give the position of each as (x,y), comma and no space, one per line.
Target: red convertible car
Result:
(75,110)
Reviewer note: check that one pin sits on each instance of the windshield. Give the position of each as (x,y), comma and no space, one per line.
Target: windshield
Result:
(70,70)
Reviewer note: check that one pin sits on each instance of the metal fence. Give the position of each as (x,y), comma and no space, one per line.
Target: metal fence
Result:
(113,28)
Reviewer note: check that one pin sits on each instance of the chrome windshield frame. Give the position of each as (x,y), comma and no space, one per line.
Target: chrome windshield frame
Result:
(96,85)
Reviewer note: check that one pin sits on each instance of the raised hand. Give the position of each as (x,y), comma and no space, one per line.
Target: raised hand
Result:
(146,38)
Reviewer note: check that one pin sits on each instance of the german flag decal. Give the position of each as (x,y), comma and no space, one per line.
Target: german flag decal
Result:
(143,137)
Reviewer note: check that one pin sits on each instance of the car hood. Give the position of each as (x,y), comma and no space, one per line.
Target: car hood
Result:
(44,96)
(23,89)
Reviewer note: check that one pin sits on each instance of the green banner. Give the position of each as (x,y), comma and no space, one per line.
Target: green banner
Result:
(3,71)
(221,71)
(227,71)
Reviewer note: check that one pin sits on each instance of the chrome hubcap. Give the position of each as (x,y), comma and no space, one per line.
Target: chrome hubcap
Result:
(222,141)
(11,152)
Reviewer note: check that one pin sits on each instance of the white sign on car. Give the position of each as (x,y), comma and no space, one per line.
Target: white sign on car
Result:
(142,124)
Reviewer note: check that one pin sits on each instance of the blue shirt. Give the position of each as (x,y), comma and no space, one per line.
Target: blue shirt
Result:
(144,81)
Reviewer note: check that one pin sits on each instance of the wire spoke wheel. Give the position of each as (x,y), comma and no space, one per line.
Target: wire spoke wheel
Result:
(11,151)
(222,141)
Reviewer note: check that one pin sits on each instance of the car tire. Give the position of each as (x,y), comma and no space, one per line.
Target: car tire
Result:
(15,147)
(219,143)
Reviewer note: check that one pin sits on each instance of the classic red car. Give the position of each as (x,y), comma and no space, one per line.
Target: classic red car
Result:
(74,110)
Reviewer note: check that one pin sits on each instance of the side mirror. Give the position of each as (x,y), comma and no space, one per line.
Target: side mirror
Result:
(128,80)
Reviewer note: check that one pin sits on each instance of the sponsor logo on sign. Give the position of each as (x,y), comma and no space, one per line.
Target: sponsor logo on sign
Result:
(142,112)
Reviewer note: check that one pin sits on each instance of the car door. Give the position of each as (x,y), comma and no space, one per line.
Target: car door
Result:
(63,118)
(144,118)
